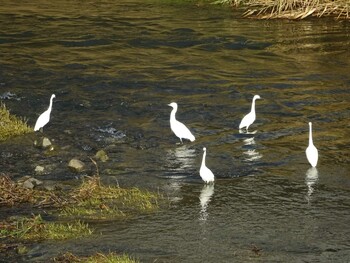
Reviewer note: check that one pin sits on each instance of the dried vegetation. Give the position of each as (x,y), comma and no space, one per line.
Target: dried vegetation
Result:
(91,199)
(12,193)
(293,9)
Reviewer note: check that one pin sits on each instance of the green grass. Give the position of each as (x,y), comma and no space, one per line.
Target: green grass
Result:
(96,201)
(10,125)
(91,200)
(97,258)
(35,228)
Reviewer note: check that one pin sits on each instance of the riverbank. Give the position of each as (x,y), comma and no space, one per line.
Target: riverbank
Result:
(11,125)
(42,215)
(291,9)
(38,213)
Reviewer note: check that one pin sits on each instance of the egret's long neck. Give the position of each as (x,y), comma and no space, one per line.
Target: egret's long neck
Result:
(253,106)
(310,135)
(50,106)
(172,114)
(203,160)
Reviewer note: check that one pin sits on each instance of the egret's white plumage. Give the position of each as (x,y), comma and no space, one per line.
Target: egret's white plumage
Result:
(177,127)
(44,118)
(250,117)
(311,150)
(206,174)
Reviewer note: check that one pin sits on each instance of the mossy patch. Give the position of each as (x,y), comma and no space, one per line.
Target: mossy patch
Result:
(91,200)
(97,258)
(35,228)
(11,125)
(96,201)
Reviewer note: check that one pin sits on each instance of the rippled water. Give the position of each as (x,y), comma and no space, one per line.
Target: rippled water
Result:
(114,67)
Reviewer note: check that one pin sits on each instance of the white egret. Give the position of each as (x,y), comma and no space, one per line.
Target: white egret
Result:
(250,117)
(44,118)
(206,174)
(311,150)
(177,127)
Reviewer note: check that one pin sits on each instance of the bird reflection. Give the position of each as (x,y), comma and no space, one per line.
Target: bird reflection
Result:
(311,179)
(184,153)
(247,132)
(181,158)
(251,153)
(204,197)
(249,141)
(178,161)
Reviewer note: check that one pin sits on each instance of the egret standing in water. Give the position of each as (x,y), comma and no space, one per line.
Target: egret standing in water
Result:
(177,127)
(311,150)
(206,174)
(250,117)
(44,118)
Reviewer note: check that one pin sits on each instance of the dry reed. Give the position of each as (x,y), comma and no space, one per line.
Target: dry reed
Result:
(293,9)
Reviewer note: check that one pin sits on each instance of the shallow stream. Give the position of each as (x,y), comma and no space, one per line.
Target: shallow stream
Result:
(115,65)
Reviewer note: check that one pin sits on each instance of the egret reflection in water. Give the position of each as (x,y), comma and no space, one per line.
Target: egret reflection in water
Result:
(251,154)
(247,132)
(181,158)
(179,161)
(205,197)
(310,180)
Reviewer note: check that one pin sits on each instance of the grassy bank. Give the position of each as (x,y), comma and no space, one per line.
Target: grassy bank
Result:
(93,200)
(35,228)
(67,210)
(11,125)
(97,258)
(90,200)
(292,9)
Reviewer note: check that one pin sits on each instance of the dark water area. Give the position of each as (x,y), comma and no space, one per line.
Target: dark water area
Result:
(115,65)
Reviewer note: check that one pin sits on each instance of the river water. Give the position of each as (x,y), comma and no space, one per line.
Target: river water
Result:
(115,65)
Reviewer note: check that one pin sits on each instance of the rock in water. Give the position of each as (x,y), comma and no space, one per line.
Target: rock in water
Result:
(102,156)
(76,165)
(43,143)
(39,169)
(46,142)
(31,183)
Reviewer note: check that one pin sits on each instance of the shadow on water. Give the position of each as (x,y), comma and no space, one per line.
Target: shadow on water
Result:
(114,67)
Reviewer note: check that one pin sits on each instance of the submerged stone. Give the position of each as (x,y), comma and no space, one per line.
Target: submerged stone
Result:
(22,249)
(39,169)
(102,156)
(76,165)
(50,186)
(31,182)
